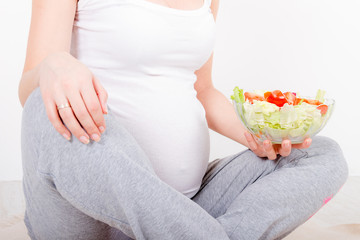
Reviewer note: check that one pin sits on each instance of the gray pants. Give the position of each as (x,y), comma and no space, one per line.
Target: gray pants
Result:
(108,190)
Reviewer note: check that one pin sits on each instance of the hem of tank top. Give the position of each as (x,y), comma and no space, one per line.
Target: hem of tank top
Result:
(191,193)
(176,11)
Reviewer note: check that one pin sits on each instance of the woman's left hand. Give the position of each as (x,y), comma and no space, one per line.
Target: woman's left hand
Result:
(269,150)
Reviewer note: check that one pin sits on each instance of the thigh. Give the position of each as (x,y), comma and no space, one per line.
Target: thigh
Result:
(227,177)
(49,216)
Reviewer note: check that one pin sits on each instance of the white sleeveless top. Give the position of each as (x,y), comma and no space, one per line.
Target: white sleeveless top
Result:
(145,56)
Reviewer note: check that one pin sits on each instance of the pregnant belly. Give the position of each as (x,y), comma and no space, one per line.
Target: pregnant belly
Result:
(174,135)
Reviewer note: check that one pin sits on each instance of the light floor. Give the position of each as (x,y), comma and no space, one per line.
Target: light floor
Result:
(339,219)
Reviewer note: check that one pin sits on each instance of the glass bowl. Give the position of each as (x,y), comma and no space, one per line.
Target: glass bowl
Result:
(297,131)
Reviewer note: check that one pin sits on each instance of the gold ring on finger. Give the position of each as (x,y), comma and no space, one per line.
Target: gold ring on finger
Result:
(63,106)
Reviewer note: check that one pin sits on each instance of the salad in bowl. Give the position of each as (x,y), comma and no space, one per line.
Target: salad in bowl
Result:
(277,115)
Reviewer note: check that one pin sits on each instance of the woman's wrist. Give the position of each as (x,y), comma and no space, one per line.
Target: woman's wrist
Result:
(221,116)
(30,79)
(54,60)
(239,134)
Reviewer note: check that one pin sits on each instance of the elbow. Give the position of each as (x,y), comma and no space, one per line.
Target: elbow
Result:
(26,85)
(204,91)
(20,99)
(21,95)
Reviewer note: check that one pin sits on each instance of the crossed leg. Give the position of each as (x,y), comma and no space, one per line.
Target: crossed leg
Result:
(254,198)
(77,191)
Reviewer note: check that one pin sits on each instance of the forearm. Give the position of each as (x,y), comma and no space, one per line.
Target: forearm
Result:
(50,32)
(221,116)
(30,78)
(29,81)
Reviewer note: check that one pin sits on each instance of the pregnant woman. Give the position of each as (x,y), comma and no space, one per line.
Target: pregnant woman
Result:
(118,101)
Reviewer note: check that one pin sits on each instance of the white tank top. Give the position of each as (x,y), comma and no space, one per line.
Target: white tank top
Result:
(145,56)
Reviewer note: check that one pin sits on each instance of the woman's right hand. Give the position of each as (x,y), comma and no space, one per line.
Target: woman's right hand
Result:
(63,79)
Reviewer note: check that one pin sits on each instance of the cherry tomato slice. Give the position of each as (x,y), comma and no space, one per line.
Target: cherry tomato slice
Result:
(290,97)
(252,96)
(276,97)
(312,101)
(323,109)
(297,101)
(267,94)
(309,101)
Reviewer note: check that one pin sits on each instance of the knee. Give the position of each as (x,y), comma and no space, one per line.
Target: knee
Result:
(330,160)
(325,144)
(34,101)
(34,111)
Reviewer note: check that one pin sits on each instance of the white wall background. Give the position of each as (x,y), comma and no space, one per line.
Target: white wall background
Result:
(280,44)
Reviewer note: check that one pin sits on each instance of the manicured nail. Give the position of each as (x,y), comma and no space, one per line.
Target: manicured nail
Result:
(67,137)
(84,139)
(95,137)
(267,144)
(253,145)
(106,109)
(246,134)
(102,129)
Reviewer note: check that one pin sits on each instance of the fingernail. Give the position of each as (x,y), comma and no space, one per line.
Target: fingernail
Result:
(102,129)
(95,137)
(287,144)
(67,137)
(253,146)
(84,139)
(308,142)
(106,109)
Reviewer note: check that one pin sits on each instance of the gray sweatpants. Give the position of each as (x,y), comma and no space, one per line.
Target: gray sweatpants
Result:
(108,190)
